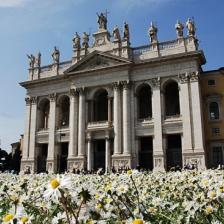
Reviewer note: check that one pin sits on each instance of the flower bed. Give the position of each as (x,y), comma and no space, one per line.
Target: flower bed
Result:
(132,197)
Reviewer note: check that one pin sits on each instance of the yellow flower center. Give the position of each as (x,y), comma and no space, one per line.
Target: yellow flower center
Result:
(129,172)
(8,217)
(24,219)
(55,183)
(137,221)
(208,210)
(213,194)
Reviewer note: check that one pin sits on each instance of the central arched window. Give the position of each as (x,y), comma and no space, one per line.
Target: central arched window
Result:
(144,96)
(172,105)
(44,109)
(214,110)
(64,109)
(101,105)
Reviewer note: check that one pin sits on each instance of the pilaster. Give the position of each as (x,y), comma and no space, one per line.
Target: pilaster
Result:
(51,159)
(185,113)
(158,152)
(73,126)
(126,119)
(26,143)
(81,124)
(117,119)
(198,136)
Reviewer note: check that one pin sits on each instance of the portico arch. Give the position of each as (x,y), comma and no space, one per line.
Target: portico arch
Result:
(100,105)
(63,111)
(144,101)
(171,97)
(43,113)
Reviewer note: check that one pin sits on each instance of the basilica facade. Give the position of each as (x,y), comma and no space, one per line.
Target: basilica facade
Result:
(113,105)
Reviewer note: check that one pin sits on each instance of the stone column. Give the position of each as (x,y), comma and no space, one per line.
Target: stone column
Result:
(110,109)
(89,154)
(126,119)
(33,122)
(158,152)
(198,139)
(108,155)
(73,125)
(27,130)
(51,163)
(81,124)
(185,114)
(117,119)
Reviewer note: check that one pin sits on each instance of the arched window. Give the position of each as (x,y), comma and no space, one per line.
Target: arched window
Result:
(214,110)
(101,106)
(172,105)
(144,102)
(44,108)
(64,109)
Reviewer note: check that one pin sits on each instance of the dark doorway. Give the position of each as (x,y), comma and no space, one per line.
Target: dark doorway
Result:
(146,153)
(99,154)
(174,151)
(42,158)
(62,157)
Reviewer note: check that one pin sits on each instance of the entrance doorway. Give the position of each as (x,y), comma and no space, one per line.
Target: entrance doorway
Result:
(174,152)
(146,153)
(99,154)
(42,158)
(62,157)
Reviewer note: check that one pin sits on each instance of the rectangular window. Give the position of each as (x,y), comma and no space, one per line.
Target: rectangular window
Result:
(215,131)
(217,156)
(211,82)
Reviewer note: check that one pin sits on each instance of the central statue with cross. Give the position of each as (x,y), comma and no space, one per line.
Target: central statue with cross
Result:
(102,20)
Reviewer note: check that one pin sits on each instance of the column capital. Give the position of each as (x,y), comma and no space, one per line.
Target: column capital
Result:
(73,92)
(116,85)
(126,84)
(34,100)
(155,82)
(28,100)
(194,76)
(80,90)
(52,97)
(183,78)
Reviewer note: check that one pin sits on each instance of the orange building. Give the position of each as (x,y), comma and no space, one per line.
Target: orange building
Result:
(212,88)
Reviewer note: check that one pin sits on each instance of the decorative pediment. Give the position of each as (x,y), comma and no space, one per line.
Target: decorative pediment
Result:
(97,60)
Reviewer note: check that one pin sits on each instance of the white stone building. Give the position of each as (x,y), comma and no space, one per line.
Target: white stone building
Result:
(116,106)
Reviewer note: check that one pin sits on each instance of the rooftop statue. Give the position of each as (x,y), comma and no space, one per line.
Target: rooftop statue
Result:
(116,33)
(37,61)
(85,40)
(31,60)
(102,21)
(179,29)
(126,35)
(191,27)
(56,55)
(153,33)
(76,41)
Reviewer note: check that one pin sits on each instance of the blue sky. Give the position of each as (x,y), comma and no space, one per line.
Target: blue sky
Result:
(29,26)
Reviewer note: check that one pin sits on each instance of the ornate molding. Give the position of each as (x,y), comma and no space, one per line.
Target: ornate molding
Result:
(116,85)
(194,76)
(73,92)
(80,90)
(184,77)
(126,84)
(156,82)
(28,101)
(52,96)
(34,100)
